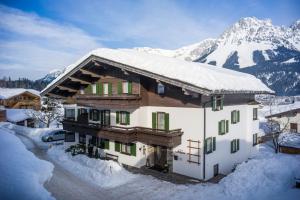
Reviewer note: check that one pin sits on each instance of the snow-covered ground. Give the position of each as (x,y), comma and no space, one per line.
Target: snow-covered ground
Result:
(22,174)
(265,176)
(102,173)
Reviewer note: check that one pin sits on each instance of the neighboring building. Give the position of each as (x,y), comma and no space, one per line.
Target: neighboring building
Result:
(19,98)
(287,116)
(147,110)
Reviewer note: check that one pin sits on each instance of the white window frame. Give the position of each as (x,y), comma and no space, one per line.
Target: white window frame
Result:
(125,85)
(160,124)
(105,89)
(94,89)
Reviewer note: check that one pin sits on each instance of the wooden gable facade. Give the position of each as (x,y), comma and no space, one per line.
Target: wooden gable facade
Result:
(25,100)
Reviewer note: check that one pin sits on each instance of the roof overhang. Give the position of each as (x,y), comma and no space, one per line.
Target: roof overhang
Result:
(184,85)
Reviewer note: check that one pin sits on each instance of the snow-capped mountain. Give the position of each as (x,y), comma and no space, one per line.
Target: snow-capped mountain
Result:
(51,76)
(272,53)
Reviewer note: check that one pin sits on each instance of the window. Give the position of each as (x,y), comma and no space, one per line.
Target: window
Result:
(70,113)
(122,117)
(82,138)
(105,117)
(235,145)
(235,116)
(103,143)
(125,148)
(217,103)
(94,115)
(105,89)
(223,127)
(254,113)
(160,88)
(94,89)
(82,111)
(255,139)
(210,145)
(125,87)
(160,120)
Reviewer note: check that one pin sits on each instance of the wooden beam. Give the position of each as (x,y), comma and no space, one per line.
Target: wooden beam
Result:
(93,74)
(56,95)
(66,88)
(96,63)
(79,80)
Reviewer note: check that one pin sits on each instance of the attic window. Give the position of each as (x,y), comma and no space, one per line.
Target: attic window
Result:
(160,88)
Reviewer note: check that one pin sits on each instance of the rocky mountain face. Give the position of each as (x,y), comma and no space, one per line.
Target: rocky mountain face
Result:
(271,53)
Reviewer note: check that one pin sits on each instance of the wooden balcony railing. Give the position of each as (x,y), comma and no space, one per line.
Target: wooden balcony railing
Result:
(168,138)
(113,101)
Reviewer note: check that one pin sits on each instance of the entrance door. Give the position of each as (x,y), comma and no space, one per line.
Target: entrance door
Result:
(216,169)
(160,158)
(293,127)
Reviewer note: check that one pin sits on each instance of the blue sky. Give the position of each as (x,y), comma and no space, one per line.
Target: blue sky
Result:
(37,36)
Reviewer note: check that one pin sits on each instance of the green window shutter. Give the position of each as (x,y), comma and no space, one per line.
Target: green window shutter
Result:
(227,126)
(238,116)
(106,144)
(88,89)
(129,87)
(214,143)
(220,127)
(167,121)
(237,144)
(117,117)
(232,117)
(213,103)
(231,146)
(154,120)
(119,87)
(127,118)
(117,146)
(133,149)
(100,88)
(109,89)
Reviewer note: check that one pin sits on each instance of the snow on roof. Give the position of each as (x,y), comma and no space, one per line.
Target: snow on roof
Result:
(290,139)
(275,110)
(6,93)
(201,75)
(17,115)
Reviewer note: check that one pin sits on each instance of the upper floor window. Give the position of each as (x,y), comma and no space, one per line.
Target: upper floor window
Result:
(217,102)
(254,113)
(94,115)
(122,117)
(105,88)
(69,113)
(223,127)
(234,145)
(94,89)
(125,87)
(235,116)
(160,88)
(160,120)
(210,145)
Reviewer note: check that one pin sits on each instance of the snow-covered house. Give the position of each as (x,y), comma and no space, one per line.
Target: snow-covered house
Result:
(20,98)
(287,116)
(149,110)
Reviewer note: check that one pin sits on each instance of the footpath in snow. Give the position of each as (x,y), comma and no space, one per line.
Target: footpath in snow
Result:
(22,174)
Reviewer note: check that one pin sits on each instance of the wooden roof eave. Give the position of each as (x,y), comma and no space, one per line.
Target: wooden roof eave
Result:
(179,83)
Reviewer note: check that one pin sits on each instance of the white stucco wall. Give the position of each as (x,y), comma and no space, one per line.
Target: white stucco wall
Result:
(286,120)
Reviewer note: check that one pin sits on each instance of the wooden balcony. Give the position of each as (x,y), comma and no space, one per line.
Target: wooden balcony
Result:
(109,102)
(170,139)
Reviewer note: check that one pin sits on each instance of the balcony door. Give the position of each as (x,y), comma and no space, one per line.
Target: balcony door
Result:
(105,117)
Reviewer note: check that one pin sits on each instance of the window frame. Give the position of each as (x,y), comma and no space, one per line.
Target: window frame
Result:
(160,89)
(255,113)
(164,120)
(104,86)
(127,146)
(255,141)
(235,145)
(125,90)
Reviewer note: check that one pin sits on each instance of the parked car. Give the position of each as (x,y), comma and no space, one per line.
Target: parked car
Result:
(54,136)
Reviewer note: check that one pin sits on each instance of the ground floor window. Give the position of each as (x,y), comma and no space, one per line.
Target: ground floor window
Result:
(94,115)
(254,139)
(235,145)
(69,113)
(126,148)
(69,137)
(82,138)
(122,117)
(160,120)
(103,143)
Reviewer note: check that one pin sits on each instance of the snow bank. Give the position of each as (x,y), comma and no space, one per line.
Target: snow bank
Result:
(22,174)
(6,93)
(199,74)
(289,139)
(277,109)
(266,176)
(99,172)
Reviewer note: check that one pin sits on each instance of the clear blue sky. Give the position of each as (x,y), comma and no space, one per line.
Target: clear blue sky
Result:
(46,34)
